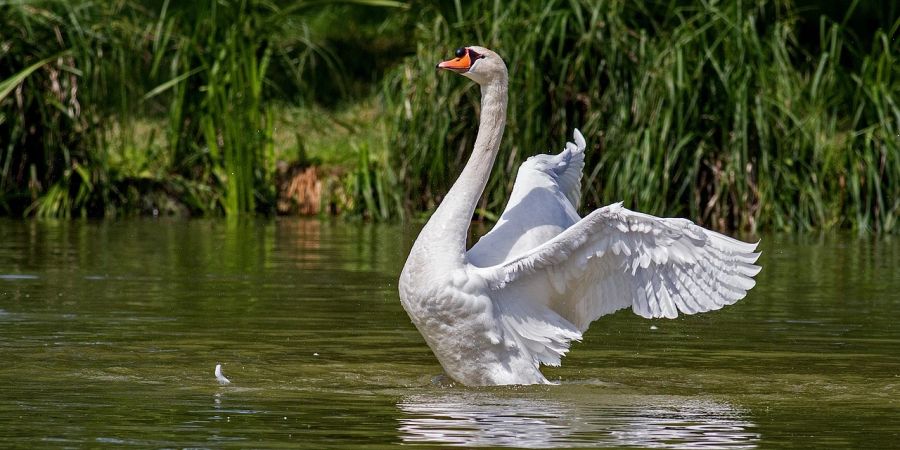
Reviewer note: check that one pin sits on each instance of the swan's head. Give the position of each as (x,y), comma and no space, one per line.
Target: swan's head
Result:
(478,63)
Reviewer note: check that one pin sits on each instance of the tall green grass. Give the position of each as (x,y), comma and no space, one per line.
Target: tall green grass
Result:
(42,136)
(753,114)
(221,129)
(710,110)
(80,78)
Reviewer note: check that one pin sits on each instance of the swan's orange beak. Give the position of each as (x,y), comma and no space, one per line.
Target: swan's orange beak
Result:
(459,65)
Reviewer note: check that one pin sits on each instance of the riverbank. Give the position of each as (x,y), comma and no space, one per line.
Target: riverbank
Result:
(762,115)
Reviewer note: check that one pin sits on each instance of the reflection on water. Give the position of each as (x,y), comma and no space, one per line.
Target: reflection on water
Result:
(109,333)
(483,419)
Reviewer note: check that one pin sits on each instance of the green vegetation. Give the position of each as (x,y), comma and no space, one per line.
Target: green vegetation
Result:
(114,107)
(757,114)
(713,110)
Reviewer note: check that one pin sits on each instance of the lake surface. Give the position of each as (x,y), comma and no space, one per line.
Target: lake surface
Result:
(110,331)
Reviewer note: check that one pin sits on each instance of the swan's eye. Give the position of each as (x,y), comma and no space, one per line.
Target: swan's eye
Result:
(473,55)
(460,52)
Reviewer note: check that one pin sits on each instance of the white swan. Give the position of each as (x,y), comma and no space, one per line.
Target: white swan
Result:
(493,314)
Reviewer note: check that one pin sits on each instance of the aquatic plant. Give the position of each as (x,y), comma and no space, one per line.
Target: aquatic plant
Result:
(760,114)
(709,110)
(80,79)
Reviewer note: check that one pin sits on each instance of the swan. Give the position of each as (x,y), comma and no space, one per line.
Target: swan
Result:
(493,314)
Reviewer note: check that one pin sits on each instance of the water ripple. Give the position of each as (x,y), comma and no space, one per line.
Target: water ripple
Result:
(17,276)
(481,419)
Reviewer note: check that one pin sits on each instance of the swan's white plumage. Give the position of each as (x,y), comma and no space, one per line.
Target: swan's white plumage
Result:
(615,258)
(535,282)
(542,204)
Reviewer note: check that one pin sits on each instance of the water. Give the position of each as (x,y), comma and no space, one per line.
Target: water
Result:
(110,332)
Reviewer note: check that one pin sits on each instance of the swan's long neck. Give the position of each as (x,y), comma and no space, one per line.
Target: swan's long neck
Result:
(449,226)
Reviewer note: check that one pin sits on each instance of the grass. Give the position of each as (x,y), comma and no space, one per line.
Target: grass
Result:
(76,74)
(754,114)
(709,110)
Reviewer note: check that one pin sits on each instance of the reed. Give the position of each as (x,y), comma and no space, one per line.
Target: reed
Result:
(80,77)
(752,114)
(42,120)
(709,110)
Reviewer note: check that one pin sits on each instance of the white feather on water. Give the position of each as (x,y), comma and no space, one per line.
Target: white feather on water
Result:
(219,377)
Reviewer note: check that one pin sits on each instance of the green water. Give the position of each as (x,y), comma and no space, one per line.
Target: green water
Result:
(110,331)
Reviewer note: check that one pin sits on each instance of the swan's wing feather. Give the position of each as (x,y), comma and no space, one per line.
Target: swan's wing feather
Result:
(569,167)
(615,258)
(531,328)
(542,204)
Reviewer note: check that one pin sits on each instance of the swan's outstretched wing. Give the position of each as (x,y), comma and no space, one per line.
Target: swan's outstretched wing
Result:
(542,204)
(615,258)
